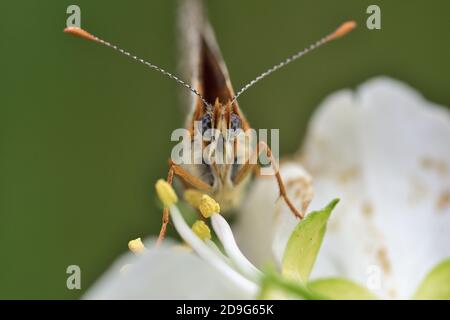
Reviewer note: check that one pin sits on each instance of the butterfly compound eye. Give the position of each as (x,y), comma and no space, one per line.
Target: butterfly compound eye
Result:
(206,122)
(235,122)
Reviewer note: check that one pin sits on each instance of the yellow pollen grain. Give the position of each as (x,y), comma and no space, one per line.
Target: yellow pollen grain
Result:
(208,206)
(136,246)
(201,230)
(193,197)
(166,193)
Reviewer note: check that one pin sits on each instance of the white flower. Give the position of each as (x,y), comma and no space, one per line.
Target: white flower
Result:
(169,273)
(385,152)
(166,272)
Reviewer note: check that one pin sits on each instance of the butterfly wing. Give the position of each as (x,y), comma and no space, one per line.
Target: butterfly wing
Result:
(202,60)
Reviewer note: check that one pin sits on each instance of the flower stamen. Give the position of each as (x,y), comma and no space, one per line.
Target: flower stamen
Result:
(166,193)
(136,246)
(207,253)
(226,237)
(201,230)
(208,206)
(193,197)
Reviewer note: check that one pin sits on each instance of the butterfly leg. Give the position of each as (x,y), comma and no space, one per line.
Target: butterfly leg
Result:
(247,168)
(187,177)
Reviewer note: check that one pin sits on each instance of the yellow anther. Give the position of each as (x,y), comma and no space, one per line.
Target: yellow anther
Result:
(201,230)
(208,206)
(166,193)
(193,197)
(136,246)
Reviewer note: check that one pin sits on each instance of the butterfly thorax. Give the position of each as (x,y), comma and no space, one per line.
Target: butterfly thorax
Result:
(219,126)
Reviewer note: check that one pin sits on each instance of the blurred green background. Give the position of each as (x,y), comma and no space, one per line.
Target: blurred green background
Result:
(85,132)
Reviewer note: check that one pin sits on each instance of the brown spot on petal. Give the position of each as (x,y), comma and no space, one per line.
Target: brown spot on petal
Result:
(392,293)
(432,164)
(348,175)
(443,200)
(334,225)
(384,260)
(367,209)
(418,190)
(302,189)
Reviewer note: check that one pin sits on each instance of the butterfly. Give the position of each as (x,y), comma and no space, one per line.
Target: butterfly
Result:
(214,106)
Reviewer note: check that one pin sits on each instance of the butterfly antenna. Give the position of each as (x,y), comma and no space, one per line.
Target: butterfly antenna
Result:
(339,32)
(88,36)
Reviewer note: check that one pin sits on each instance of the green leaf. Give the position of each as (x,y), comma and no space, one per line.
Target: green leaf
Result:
(436,285)
(340,289)
(304,244)
(274,286)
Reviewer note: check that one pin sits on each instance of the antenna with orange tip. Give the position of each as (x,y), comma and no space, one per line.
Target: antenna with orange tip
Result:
(76,31)
(342,30)
(339,32)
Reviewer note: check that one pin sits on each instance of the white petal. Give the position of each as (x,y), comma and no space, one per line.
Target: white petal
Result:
(385,152)
(265,222)
(225,235)
(164,273)
(208,254)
